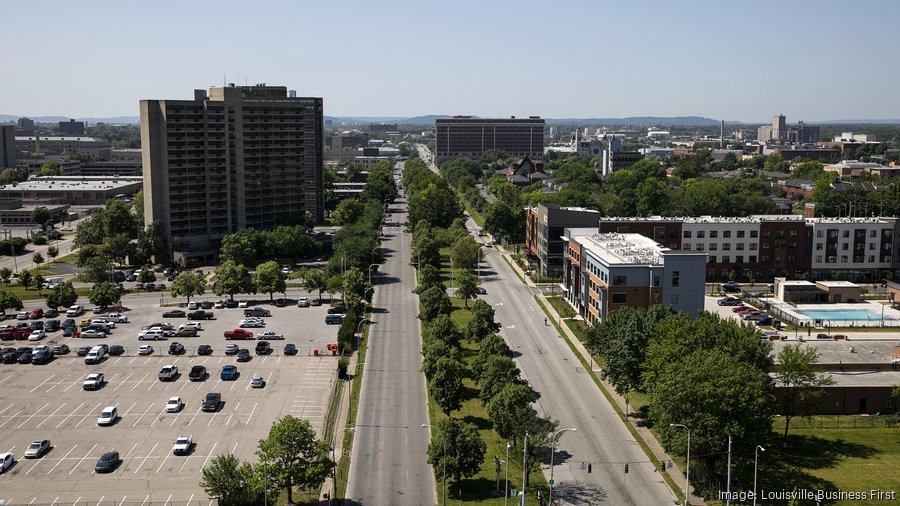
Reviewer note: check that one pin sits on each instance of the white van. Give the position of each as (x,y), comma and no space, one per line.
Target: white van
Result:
(75,311)
(95,355)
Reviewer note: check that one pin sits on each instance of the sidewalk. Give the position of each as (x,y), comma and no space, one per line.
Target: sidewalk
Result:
(659,454)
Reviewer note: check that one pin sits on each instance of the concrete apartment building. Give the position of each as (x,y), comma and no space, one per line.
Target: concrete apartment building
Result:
(7,147)
(71,128)
(608,271)
(237,157)
(471,136)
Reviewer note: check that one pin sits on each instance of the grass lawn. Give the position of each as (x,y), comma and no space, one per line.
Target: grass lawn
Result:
(33,294)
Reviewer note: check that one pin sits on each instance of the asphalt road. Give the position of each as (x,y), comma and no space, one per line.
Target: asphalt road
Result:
(388,462)
(567,393)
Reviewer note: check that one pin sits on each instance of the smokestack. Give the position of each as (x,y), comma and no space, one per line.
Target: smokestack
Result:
(722,135)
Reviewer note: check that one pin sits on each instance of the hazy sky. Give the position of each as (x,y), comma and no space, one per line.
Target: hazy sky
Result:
(724,59)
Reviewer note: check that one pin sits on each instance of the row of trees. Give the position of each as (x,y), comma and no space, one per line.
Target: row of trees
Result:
(250,247)
(710,374)
(290,456)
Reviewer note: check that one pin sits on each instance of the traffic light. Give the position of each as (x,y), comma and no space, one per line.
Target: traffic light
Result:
(589,468)
(626,468)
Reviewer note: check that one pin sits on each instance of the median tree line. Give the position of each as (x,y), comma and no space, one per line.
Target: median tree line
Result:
(290,457)
(713,375)
(505,396)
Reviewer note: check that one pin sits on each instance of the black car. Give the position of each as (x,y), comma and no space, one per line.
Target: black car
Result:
(61,349)
(176,348)
(82,351)
(116,350)
(211,402)
(41,357)
(174,313)
(231,303)
(263,348)
(68,331)
(337,310)
(25,357)
(198,373)
(200,315)
(290,349)
(243,355)
(107,463)
(51,313)
(51,325)
(10,357)
(204,349)
(480,291)
(206,305)
(130,278)
(68,323)
(38,325)
(279,303)
(731,286)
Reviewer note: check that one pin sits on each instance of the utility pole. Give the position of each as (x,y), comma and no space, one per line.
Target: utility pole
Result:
(524,467)
(728,486)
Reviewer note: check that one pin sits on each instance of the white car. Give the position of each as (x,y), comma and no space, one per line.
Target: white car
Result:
(219,305)
(6,461)
(269,336)
(191,325)
(23,315)
(183,445)
(74,311)
(257,381)
(36,335)
(93,381)
(116,318)
(103,322)
(242,304)
(145,349)
(108,416)
(192,306)
(302,302)
(248,323)
(174,405)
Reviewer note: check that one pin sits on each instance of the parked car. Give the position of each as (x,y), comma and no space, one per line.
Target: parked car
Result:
(24,357)
(252,324)
(174,313)
(232,349)
(82,351)
(315,301)
(206,305)
(211,402)
(270,336)
(257,381)
(334,319)
(22,315)
(302,302)
(243,355)
(51,325)
(41,357)
(258,312)
(186,332)
(61,349)
(37,449)
(37,335)
(168,372)
(191,305)
(93,334)
(174,405)
(191,325)
(37,325)
(231,303)
(238,334)
(198,373)
(116,318)
(176,348)
(108,416)
(151,335)
(290,349)
(729,301)
(51,313)
(116,350)
(200,315)
(74,311)
(765,320)
(731,286)
(183,445)
(204,349)
(279,303)
(218,305)
(6,461)
(229,373)
(242,304)
(107,462)
(263,348)
(145,349)
(93,381)
(36,314)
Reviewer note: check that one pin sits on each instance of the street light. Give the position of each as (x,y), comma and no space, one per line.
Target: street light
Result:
(358,335)
(334,462)
(370,271)
(552,451)
(444,472)
(687,470)
(755,462)
(506,489)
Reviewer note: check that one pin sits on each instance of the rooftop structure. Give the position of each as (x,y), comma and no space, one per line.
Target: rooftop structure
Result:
(73,190)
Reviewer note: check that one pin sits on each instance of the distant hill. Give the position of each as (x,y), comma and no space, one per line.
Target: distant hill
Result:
(638,121)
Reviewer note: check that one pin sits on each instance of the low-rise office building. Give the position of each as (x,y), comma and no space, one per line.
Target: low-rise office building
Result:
(607,271)
(30,146)
(72,190)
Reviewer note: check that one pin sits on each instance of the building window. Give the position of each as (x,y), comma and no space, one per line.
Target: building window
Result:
(873,233)
(700,246)
(845,246)
(618,298)
(765,246)
(726,259)
(676,276)
(687,234)
(765,259)
(656,297)
(726,246)
(701,234)
(818,259)
(846,234)
(740,234)
(871,246)
(871,259)
(712,259)
(831,259)
(726,234)
(793,233)
(739,246)
(739,259)
(779,234)
(674,299)
(713,246)
(779,259)
(820,234)
(843,259)
(754,234)
(619,280)
(752,259)
(752,246)
(656,281)
(767,234)
(686,246)
(713,234)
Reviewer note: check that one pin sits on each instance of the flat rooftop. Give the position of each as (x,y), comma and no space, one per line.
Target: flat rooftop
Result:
(797,282)
(865,378)
(61,139)
(839,352)
(837,284)
(623,249)
(74,183)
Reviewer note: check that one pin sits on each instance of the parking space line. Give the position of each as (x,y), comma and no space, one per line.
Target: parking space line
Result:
(177,416)
(10,417)
(80,461)
(70,414)
(191,498)
(167,500)
(127,411)
(87,415)
(139,382)
(71,385)
(251,413)
(145,460)
(232,414)
(143,414)
(163,462)
(4,409)
(121,470)
(209,454)
(54,501)
(195,416)
(60,461)
(101,500)
(32,416)
(51,414)
(145,500)
(233,383)
(42,383)
(123,500)
(119,385)
(132,360)
(76,501)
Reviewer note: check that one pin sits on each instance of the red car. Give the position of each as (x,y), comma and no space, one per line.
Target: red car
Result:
(239,334)
(740,308)
(36,314)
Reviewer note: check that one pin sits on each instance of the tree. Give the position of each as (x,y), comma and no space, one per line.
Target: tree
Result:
(97,270)
(482,322)
(230,480)
(37,281)
(146,275)
(434,302)
(334,284)
(116,218)
(801,384)
(119,246)
(456,446)
(292,455)
(5,274)
(464,252)
(40,215)
(429,276)
(37,258)
(25,279)
(442,328)
(52,252)
(188,284)
(467,286)
(232,278)
(434,350)
(238,247)
(511,411)
(268,278)
(347,211)
(104,294)
(9,300)
(436,203)
(354,287)
(63,295)
(38,239)
(622,340)
(498,371)
(446,384)
(314,280)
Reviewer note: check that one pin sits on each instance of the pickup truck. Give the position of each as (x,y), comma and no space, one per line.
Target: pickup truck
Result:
(198,373)
(200,315)
(238,334)
(168,373)
(183,445)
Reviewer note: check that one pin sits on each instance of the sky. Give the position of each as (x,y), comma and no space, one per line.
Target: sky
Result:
(734,60)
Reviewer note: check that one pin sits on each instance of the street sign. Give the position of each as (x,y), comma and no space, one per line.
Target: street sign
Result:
(551,482)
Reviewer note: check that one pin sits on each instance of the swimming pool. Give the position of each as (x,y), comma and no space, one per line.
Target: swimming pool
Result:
(842,314)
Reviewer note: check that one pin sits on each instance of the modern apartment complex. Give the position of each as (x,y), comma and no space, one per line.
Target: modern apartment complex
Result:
(545,225)
(608,271)
(471,136)
(239,157)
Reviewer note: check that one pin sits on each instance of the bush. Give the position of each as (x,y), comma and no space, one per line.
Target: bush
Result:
(347,331)
(39,239)
(343,364)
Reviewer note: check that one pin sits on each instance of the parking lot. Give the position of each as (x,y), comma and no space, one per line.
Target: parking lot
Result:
(49,402)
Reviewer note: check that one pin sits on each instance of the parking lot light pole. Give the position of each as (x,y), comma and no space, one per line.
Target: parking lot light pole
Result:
(358,328)
(755,462)
(552,451)
(687,466)
(370,272)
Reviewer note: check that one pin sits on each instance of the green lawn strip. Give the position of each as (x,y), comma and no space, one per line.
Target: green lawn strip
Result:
(343,466)
(476,216)
(512,267)
(637,436)
(565,310)
(34,294)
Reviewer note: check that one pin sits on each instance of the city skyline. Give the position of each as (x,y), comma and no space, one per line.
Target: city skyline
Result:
(577,60)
